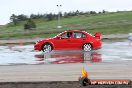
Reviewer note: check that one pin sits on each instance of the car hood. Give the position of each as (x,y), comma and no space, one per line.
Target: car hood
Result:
(46,39)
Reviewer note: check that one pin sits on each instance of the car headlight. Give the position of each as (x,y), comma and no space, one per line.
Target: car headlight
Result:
(37,42)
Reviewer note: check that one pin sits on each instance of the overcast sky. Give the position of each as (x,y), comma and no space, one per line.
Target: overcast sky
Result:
(27,7)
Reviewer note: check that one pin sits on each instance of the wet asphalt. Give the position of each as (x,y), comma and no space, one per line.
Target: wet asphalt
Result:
(115,51)
(22,67)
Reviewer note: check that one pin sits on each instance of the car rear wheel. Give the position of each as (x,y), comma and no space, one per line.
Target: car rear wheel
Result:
(47,48)
(87,47)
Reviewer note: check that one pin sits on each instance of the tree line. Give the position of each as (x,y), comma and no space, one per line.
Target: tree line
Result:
(48,17)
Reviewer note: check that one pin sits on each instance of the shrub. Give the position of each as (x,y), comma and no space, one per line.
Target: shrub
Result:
(30,25)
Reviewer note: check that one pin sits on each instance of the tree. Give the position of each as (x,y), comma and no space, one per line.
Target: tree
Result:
(38,16)
(77,12)
(14,19)
(49,17)
(22,17)
(30,25)
(104,11)
(65,14)
(92,12)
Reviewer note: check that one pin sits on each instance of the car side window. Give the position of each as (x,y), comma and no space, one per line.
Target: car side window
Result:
(67,35)
(79,35)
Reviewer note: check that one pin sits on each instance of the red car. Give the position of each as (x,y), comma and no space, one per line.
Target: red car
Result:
(70,40)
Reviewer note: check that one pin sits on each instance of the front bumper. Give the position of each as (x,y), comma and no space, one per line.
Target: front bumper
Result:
(38,47)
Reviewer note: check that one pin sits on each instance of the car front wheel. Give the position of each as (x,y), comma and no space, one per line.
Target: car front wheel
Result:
(87,47)
(47,48)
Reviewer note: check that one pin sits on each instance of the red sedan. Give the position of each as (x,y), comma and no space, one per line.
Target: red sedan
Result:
(70,40)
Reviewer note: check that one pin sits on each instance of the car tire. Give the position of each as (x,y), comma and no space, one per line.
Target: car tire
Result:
(47,48)
(87,47)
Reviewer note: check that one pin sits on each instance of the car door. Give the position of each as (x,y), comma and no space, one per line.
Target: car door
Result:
(64,41)
(78,40)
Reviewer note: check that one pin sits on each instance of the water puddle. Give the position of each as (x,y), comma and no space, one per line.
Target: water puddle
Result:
(65,57)
(110,52)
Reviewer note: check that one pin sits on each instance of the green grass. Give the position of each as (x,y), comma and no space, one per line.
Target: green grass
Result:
(109,23)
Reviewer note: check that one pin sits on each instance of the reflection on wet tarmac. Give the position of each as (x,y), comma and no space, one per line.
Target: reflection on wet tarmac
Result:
(68,57)
(24,54)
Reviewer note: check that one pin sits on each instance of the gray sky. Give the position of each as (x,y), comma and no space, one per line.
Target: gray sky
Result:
(27,7)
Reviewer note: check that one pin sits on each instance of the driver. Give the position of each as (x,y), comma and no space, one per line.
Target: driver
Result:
(69,34)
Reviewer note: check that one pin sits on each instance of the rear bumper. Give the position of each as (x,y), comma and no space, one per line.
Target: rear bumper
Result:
(98,46)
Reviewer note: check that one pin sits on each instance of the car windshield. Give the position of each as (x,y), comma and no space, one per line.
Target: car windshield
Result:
(59,34)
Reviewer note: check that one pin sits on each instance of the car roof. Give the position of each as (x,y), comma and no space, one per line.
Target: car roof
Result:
(78,31)
(74,31)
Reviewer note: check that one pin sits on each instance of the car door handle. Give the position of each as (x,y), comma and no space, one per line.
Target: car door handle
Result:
(68,40)
(84,39)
